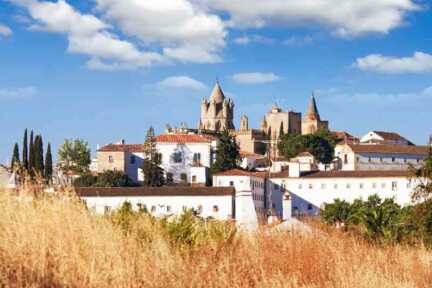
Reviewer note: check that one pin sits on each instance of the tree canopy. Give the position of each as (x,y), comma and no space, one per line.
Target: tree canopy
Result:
(320,144)
(74,155)
(153,173)
(227,153)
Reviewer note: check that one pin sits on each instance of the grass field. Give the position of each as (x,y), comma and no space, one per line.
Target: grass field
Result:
(53,242)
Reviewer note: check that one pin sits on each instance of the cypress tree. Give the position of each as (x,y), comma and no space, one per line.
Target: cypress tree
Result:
(281,130)
(48,164)
(153,173)
(15,157)
(38,156)
(31,155)
(25,153)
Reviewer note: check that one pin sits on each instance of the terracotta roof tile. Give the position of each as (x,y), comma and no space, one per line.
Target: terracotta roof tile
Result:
(391,136)
(355,174)
(122,148)
(240,172)
(390,149)
(184,138)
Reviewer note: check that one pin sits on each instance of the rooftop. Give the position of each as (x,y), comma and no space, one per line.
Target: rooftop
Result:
(241,172)
(390,149)
(355,174)
(391,136)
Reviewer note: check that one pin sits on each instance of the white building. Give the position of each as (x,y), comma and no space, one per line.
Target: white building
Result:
(163,201)
(185,157)
(353,157)
(381,137)
(311,190)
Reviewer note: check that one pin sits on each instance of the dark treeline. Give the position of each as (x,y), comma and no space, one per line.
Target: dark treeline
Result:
(33,162)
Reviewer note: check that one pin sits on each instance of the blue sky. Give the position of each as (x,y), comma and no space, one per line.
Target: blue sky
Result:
(104,70)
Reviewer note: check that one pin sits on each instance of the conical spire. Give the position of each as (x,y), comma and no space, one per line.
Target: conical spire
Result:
(312,111)
(217,94)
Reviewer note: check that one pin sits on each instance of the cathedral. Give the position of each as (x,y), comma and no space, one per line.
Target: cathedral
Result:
(217,114)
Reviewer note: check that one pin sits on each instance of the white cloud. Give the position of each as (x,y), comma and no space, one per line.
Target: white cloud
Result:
(375,98)
(18,93)
(255,78)
(244,40)
(418,63)
(88,35)
(343,18)
(254,39)
(187,33)
(5,31)
(181,82)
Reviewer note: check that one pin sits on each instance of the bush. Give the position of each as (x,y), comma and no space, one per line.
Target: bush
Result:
(108,178)
(85,180)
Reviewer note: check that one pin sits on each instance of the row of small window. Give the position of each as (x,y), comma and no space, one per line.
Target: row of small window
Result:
(168,208)
(258,184)
(394,185)
(258,197)
(176,156)
(380,159)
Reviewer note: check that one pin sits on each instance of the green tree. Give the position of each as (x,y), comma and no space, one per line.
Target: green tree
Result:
(337,212)
(15,162)
(74,155)
(423,177)
(38,156)
(25,151)
(153,172)
(320,144)
(112,178)
(31,155)
(48,164)
(227,153)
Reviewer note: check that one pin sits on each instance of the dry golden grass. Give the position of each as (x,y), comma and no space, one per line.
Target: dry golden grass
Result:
(55,243)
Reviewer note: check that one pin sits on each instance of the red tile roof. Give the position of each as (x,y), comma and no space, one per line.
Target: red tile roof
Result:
(390,149)
(153,191)
(355,174)
(390,136)
(240,172)
(249,154)
(184,138)
(122,148)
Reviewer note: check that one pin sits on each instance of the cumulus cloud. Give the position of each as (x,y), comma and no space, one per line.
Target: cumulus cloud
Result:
(5,31)
(298,40)
(181,82)
(255,78)
(187,32)
(343,18)
(245,40)
(418,63)
(17,93)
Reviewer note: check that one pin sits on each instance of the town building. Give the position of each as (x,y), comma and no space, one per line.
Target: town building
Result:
(185,157)
(312,122)
(310,190)
(277,121)
(352,157)
(217,112)
(384,138)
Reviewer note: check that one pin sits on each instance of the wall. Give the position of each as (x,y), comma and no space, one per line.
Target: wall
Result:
(176,204)
(118,162)
(309,194)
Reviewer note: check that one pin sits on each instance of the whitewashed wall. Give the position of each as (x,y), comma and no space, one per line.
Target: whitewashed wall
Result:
(168,205)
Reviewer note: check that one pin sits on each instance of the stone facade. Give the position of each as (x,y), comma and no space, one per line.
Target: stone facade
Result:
(277,120)
(111,160)
(217,113)
(312,122)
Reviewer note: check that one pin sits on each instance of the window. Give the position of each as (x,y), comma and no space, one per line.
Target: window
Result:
(231,183)
(361,185)
(275,186)
(310,186)
(183,177)
(348,186)
(335,186)
(169,178)
(153,209)
(168,208)
(418,160)
(393,159)
(394,186)
(381,159)
(383,185)
(309,207)
(405,160)
(323,186)
(215,208)
(132,159)
(107,209)
(197,157)
(177,157)
(300,186)
(345,159)
(374,185)
(194,179)
(369,159)
(357,159)
(110,159)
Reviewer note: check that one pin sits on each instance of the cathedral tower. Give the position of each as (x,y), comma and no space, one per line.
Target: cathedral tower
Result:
(312,121)
(217,112)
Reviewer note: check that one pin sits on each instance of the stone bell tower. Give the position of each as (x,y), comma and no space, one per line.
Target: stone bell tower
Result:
(217,112)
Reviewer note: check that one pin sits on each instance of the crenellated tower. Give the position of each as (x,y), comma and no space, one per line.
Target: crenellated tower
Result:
(217,112)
